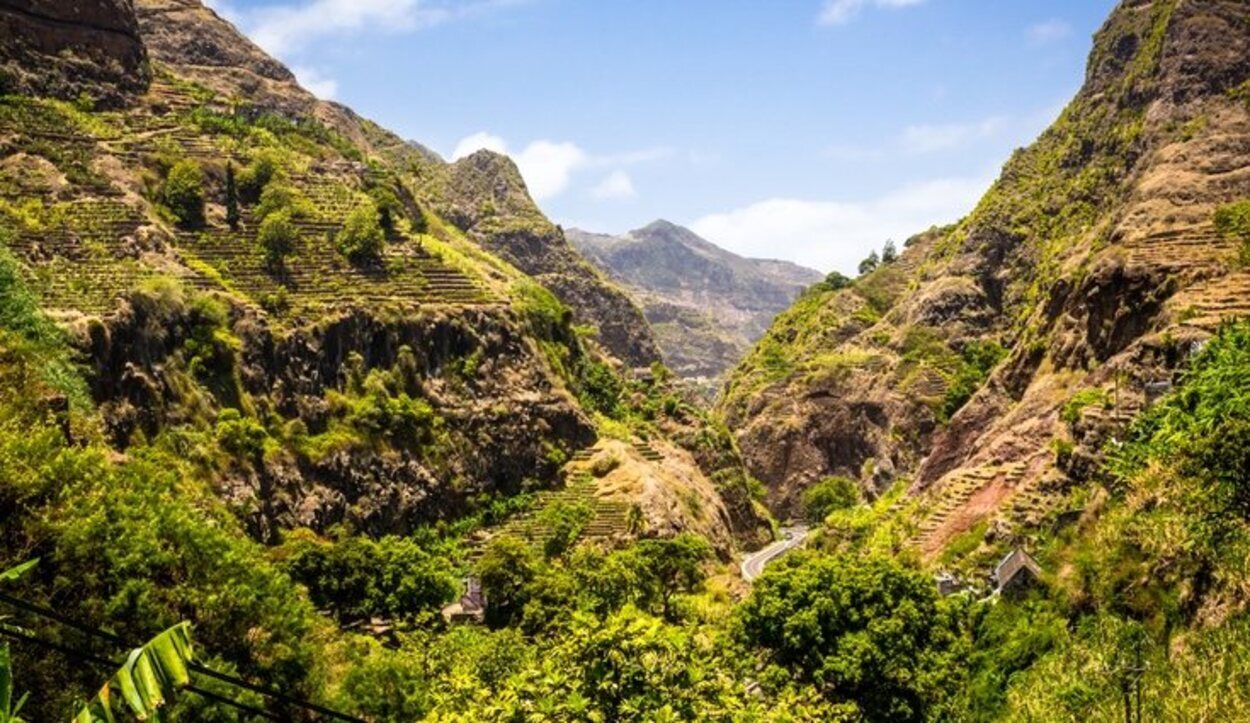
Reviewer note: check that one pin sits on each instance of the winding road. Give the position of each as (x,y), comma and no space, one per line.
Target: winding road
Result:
(753,564)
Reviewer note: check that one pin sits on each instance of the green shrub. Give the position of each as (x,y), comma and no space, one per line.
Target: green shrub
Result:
(256,176)
(283,197)
(277,237)
(359,578)
(564,523)
(1233,221)
(361,237)
(183,192)
(1082,400)
(830,495)
(977,360)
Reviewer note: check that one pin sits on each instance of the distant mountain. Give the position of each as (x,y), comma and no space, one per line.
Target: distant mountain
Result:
(705,304)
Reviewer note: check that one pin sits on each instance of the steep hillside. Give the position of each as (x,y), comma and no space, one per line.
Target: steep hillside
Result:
(705,304)
(265,278)
(988,366)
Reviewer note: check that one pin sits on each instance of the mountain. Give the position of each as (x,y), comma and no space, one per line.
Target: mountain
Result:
(990,364)
(705,304)
(257,320)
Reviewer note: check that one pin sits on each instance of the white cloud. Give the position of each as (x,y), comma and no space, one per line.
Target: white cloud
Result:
(925,138)
(316,83)
(548,167)
(837,12)
(831,235)
(481,141)
(1048,32)
(616,186)
(284,29)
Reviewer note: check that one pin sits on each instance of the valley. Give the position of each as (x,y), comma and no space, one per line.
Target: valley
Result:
(348,431)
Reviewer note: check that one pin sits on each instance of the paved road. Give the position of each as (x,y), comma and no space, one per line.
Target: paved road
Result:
(753,565)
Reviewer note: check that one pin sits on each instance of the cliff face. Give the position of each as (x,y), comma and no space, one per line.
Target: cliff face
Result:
(993,360)
(706,305)
(68,49)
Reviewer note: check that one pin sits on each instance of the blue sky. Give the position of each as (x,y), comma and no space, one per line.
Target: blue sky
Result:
(811,130)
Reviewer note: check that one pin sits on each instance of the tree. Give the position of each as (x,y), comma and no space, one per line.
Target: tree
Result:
(829,495)
(388,206)
(506,569)
(865,631)
(361,237)
(277,237)
(870,264)
(282,197)
(254,178)
(889,254)
(672,566)
(183,192)
(837,281)
(232,198)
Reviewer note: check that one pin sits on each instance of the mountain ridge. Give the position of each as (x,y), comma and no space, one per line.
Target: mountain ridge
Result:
(705,303)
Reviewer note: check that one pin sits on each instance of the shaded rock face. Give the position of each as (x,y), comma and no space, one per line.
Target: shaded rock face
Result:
(504,421)
(1093,261)
(72,49)
(484,195)
(705,304)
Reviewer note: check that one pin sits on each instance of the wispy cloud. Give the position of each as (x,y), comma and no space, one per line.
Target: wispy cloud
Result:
(291,30)
(316,83)
(1050,31)
(838,12)
(617,186)
(833,234)
(548,167)
(926,138)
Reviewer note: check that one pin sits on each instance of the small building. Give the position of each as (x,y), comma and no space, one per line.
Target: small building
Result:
(471,607)
(1016,573)
(948,584)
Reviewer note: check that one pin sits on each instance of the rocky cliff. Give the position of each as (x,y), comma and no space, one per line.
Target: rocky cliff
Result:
(706,305)
(990,364)
(72,50)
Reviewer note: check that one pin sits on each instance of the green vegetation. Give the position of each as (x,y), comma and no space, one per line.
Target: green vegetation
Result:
(232,199)
(358,578)
(362,237)
(277,237)
(977,360)
(870,634)
(1233,221)
(183,193)
(828,496)
(1082,400)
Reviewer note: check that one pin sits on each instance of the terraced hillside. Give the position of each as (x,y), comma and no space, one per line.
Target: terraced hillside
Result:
(988,367)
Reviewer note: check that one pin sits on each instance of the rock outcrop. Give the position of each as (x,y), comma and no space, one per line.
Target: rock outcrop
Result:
(72,50)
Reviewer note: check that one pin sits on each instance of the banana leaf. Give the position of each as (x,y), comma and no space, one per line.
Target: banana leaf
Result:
(13,573)
(147,681)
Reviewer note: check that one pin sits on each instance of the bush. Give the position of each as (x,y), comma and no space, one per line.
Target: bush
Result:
(603,465)
(256,176)
(865,631)
(277,237)
(1233,221)
(183,193)
(564,523)
(283,197)
(359,578)
(361,237)
(977,360)
(829,495)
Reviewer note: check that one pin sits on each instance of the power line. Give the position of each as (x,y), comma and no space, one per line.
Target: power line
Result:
(104,663)
(196,667)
